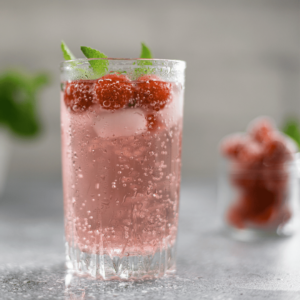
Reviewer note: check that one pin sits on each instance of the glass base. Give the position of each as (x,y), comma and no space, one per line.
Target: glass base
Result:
(105,267)
(251,234)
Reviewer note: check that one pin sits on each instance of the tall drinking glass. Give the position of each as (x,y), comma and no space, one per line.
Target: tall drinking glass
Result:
(121,155)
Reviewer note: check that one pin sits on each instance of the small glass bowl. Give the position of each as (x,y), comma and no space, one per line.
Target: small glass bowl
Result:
(258,201)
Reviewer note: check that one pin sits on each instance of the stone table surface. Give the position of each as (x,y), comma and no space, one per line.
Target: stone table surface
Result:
(210,265)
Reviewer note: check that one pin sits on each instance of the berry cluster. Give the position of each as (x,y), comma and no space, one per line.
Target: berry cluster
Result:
(259,172)
(115,91)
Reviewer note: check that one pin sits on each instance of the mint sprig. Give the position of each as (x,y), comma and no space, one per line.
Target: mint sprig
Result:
(145,52)
(144,70)
(68,55)
(100,66)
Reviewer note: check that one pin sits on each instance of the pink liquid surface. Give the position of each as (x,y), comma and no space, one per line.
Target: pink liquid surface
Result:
(121,179)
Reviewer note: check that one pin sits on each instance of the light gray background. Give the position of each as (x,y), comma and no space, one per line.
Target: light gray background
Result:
(242,61)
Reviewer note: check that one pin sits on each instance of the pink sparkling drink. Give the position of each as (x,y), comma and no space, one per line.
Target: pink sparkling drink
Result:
(121,154)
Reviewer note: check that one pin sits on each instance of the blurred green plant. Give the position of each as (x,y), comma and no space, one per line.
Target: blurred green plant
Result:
(292,129)
(18,101)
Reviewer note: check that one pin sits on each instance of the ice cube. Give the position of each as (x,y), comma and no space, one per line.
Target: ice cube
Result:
(172,112)
(126,122)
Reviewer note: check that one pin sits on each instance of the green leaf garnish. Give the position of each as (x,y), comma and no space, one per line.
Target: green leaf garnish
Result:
(100,66)
(144,70)
(145,52)
(18,102)
(68,55)
(292,129)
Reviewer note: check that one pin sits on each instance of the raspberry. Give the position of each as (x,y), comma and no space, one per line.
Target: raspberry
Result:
(242,179)
(152,92)
(113,91)
(276,150)
(78,95)
(276,177)
(251,152)
(231,145)
(264,216)
(242,148)
(261,129)
(260,174)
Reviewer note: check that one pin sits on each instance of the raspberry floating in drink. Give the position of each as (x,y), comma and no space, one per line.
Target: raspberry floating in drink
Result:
(152,92)
(79,95)
(113,91)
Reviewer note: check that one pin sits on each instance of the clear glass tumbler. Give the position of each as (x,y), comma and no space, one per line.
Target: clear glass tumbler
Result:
(121,153)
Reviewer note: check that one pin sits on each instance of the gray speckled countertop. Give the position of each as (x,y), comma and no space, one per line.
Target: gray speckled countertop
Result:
(209,264)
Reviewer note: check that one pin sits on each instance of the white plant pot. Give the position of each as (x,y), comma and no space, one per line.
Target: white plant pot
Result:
(4,157)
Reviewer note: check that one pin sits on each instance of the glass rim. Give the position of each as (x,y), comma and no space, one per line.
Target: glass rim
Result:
(181,63)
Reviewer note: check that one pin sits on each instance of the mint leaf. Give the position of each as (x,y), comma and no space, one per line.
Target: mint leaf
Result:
(292,129)
(68,55)
(145,52)
(100,66)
